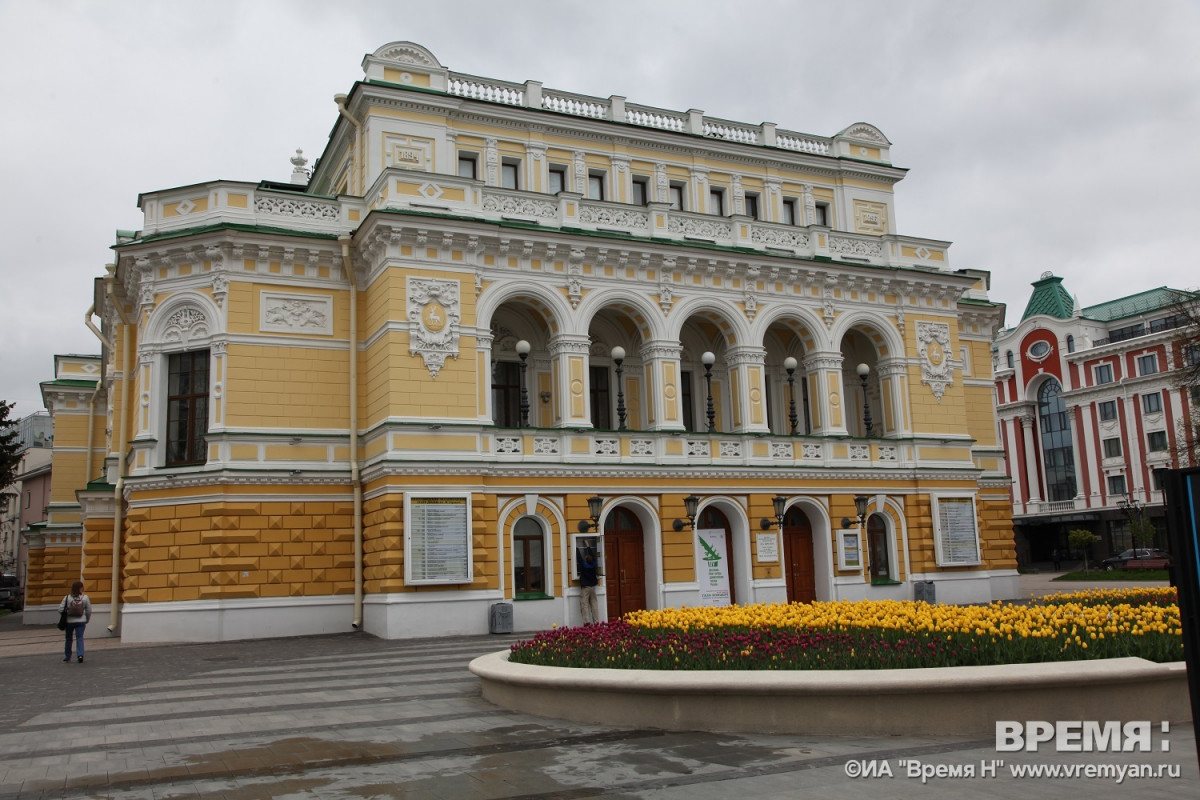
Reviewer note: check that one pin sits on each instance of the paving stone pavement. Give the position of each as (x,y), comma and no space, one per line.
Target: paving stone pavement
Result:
(352,716)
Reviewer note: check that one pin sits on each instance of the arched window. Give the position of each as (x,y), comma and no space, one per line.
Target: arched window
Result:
(529,558)
(1070,343)
(1057,451)
(879,549)
(1008,356)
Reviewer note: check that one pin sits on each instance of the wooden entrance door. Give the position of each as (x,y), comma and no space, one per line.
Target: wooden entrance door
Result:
(798,557)
(624,563)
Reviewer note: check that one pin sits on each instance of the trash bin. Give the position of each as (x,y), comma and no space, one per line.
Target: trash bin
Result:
(501,618)
(924,591)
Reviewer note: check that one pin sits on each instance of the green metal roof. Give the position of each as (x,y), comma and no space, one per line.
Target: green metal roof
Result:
(1135,304)
(1051,298)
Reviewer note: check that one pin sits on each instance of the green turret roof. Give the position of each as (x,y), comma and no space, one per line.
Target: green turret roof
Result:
(1049,297)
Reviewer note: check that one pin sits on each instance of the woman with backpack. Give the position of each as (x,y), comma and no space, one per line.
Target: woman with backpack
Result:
(78,609)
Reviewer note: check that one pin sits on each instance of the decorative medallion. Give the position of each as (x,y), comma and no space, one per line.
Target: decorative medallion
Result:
(434,312)
(937,372)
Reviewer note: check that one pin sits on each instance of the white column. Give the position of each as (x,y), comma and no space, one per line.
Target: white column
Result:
(569,357)
(747,391)
(1031,470)
(826,395)
(664,405)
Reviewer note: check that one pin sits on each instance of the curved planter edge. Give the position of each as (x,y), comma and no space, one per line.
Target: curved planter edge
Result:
(945,700)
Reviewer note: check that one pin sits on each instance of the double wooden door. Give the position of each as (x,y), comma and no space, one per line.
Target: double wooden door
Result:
(624,563)
(798,568)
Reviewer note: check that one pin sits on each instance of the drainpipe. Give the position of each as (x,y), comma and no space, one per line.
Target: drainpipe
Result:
(355,476)
(91,430)
(356,188)
(119,490)
(87,320)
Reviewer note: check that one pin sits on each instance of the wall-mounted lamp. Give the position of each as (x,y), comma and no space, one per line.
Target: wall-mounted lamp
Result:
(690,504)
(595,506)
(779,502)
(860,508)
(523,347)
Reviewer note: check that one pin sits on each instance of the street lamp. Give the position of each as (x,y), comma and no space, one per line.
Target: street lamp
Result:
(618,357)
(523,348)
(708,359)
(789,364)
(864,371)
(690,504)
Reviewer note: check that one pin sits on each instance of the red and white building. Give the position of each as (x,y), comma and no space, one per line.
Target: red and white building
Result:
(1089,406)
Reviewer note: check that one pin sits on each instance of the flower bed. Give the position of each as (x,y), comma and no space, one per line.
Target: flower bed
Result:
(872,635)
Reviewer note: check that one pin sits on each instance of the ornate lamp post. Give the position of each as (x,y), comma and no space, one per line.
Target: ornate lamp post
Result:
(789,364)
(618,357)
(708,359)
(523,348)
(863,372)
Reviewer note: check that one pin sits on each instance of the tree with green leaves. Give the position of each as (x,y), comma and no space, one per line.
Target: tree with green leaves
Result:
(1142,531)
(1082,539)
(10,446)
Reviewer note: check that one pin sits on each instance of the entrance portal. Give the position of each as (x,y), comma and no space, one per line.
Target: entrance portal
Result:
(624,563)
(798,557)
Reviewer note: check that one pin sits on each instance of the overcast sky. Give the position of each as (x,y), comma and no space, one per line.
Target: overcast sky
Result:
(1039,134)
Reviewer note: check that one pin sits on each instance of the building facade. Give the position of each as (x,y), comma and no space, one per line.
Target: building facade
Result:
(1089,406)
(499,324)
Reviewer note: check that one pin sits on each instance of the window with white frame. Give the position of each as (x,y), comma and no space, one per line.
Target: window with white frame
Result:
(529,559)
(790,216)
(510,173)
(468,165)
(677,196)
(716,201)
(557,179)
(822,214)
(640,191)
(957,537)
(1156,441)
(595,185)
(1103,373)
(1147,364)
(1112,448)
(1116,485)
(1108,410)
(751,205)
(1152,403)
(187,408)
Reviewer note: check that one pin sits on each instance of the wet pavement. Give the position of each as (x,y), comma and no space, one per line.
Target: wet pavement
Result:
(352,716)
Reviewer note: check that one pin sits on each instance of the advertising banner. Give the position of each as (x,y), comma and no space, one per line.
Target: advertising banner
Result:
(712,567)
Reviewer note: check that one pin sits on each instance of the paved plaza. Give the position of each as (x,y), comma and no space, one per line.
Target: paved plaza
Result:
(352,716)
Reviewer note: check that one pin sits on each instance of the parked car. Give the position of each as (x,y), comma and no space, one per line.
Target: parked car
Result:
(1122,559)
(10,593)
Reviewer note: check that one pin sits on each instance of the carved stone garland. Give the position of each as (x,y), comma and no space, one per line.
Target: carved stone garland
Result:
(434,313)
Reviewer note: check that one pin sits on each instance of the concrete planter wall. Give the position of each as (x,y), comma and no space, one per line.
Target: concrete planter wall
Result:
(949,700)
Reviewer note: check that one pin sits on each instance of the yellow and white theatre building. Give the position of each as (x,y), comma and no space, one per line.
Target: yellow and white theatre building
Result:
(383,394)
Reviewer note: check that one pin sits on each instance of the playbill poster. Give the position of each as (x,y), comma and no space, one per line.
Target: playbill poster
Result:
(712,567)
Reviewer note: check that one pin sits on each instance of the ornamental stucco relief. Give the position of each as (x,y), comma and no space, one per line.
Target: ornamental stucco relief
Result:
(933,346)
(434,313)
